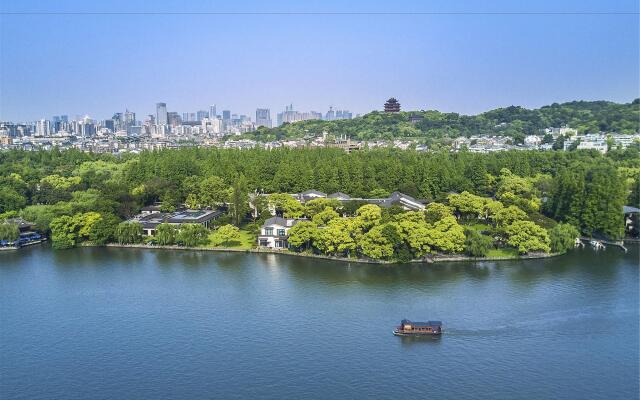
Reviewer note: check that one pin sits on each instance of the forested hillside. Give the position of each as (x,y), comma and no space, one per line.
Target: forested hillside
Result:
(516,122)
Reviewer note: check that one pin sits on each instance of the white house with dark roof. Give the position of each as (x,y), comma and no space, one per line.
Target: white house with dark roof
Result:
(274,233)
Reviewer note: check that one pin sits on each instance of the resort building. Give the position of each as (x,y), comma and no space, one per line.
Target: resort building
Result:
(405,201)
(151,217)
(309,195)
(274,233)
(339,196)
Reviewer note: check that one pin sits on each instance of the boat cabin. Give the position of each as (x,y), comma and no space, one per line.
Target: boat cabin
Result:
(407,326)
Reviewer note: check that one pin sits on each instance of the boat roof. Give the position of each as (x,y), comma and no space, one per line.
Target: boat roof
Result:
(428,323)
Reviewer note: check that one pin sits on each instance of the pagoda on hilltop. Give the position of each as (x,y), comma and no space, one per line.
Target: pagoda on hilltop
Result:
(392,106)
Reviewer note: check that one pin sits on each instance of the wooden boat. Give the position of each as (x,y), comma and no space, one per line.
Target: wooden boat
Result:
(410,328)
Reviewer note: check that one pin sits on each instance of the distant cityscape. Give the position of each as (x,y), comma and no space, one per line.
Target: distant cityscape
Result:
(125,133)
(165,123)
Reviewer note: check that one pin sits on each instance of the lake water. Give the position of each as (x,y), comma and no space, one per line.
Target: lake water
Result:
(97,323)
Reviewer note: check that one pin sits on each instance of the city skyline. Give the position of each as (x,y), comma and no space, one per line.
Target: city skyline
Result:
(192,56)
(261,116)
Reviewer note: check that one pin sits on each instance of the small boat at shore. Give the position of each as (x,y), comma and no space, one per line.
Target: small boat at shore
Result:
(410,328)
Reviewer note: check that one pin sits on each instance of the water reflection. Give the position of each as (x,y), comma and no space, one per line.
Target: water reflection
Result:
(409,341)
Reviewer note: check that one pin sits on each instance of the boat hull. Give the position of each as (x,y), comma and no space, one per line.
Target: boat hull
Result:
(401,333)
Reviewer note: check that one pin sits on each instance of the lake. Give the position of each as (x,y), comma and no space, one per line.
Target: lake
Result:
(108,323)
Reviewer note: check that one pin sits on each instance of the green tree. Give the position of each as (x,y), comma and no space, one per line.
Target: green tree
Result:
(9,231)
(259,205)
(526,236)
(104,231)
(286,205)
(508,215)
(302,234)
(225,234)
(129,232)
(477,244)
(166,234)
(322,218)
(437,211)
(316,206)
(64,232)
(11,200)
(337,238)
(376,244)
(368,215)
(379,193)
(239,200)
(446,235)
(192,235)
(192,201)
(467,204)
(562,237)
(213,191)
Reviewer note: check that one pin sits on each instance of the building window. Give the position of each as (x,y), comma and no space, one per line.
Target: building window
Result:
(263,243)
(268,231)
(281,232)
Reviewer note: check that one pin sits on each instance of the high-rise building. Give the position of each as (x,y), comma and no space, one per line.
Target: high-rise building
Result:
(290,115)
(392,106)
(86,127)
(263,117)
(173,119)
(212,111)
(43,127)
(118,121)
(343,114)
(185,117)
(226,115)
(108,123)
(331,115)
(129,118)
(202,114)
(161,114)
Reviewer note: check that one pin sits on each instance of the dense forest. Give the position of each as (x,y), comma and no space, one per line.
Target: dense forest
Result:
(582,188)
(515,122)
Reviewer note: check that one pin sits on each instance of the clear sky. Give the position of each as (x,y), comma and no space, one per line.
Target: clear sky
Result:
(70,57)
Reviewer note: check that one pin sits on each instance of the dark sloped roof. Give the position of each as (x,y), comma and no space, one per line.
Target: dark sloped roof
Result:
(422,324)
(193,216)
(339,195)
(313,191)
(276,221)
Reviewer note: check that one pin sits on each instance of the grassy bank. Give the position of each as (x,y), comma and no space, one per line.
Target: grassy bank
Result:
(246,241)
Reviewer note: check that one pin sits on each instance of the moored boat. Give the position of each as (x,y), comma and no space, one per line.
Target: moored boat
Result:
(410,328)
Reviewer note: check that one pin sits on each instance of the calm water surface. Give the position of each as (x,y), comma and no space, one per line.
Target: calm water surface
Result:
(133,324)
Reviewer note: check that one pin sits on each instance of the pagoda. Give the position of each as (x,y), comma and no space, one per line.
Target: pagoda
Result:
(392,106)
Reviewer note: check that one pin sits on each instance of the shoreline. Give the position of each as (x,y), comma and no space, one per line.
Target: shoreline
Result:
(14,248)
(428,260)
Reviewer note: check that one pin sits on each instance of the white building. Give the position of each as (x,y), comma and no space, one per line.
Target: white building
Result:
(274,233)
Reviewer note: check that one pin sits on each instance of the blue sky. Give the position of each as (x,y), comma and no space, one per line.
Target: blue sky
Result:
(98,63)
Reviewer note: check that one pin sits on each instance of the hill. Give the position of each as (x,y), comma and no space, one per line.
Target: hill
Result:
(514,121)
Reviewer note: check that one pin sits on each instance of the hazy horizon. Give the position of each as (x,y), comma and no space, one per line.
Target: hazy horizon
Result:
(96,59)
